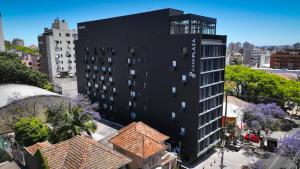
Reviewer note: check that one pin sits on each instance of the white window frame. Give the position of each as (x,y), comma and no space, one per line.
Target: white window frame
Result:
(183,78)
(174,63)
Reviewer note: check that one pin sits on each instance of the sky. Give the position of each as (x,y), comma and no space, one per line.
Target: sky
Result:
(261,22)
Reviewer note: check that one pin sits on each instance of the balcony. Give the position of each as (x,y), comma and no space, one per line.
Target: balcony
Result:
(168,160)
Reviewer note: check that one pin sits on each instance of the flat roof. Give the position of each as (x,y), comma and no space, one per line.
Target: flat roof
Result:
(21,91)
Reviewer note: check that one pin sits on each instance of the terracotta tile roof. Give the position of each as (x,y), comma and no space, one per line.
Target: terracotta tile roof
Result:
(140,139)
(40,145)
(81,152)
(146,130)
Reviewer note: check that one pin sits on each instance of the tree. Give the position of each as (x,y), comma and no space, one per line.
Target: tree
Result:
(67,122)
(16,109)
(263,117)
(259,86)
(13,71)
(41,161)
(29,131)
(87,107)
(290,148)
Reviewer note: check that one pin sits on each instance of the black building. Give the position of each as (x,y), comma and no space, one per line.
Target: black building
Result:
(164,67)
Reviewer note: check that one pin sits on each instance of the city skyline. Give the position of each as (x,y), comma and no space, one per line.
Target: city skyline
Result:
(260,23)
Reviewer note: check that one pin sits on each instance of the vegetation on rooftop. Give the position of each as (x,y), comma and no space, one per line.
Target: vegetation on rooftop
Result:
(23,49)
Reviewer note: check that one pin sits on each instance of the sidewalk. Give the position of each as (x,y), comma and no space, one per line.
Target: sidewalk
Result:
(232,160)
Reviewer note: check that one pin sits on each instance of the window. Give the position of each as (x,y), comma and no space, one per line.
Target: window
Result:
(67,35)
(132,93)
(173,115)
(183,105)
(110,79)
(104,87)
(105,106)
(89,84)
(129,103)
(174,63)
(111,98)
(183,78)
(174,90)
(102,78)
(132,72)
(59,34)
(114,90)
(184,51)
(131,50)
(182,131)
(87,75)
(109,69)
(132,115)
(129,83)
(96,86)
(109,60)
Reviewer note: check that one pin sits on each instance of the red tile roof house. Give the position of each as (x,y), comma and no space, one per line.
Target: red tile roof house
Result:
(79,152)
(145,146)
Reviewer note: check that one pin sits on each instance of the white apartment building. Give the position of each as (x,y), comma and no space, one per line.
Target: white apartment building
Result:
(57,50)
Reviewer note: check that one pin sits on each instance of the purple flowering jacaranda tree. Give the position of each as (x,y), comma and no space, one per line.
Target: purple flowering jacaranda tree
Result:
(289,147)
(88,107)
(262,116)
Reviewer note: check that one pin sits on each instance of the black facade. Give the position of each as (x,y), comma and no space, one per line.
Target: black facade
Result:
(164,67)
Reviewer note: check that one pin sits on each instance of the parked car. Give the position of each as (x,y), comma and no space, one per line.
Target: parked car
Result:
(252,137)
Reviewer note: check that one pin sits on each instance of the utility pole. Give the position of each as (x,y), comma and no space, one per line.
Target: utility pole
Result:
(223,135)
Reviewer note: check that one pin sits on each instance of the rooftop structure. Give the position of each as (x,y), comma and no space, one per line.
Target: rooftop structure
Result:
(144,145)
(18,42)
(29,100)
(80,152)
(140,139)
(8,91)
(40,145)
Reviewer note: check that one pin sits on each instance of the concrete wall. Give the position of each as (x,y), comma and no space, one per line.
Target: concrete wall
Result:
(35,106)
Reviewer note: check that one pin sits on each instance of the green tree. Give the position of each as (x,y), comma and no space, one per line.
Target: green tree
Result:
(41,161)
(256,86)
(30,130)
(13,71)
(67,122)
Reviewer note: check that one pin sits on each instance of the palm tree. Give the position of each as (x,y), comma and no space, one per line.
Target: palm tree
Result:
(66,123)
